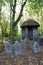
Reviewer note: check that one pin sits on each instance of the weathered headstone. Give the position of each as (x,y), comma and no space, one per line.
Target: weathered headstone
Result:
(17,48)
(35,34)
(26,43)
(25,34)
(36,47)
(8,47)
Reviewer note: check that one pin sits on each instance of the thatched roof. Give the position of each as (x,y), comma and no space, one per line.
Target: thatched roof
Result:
(30,23)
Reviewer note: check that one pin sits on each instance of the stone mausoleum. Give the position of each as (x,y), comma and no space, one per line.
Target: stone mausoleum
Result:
(31,27)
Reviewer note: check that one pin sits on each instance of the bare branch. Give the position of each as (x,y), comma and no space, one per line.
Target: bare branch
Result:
(20,15)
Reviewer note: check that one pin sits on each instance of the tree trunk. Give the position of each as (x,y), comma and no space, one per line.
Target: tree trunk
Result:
(2,39)
(12,34)
(14,23)
(10,23)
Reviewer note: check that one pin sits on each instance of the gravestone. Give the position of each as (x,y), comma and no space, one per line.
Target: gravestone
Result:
(26,43)
(25,34)
(8,47)
(35,34)
(36,47)
(41,41)
(17,48)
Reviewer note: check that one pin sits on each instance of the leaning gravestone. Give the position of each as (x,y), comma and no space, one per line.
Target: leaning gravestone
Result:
(26,43)
(8,47)
(17,48)
(36,47)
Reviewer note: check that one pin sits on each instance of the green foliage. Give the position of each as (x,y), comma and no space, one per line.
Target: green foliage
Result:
(2,2)
(0,35)
(35,8)
(9,0)
(36,5)
(4,25)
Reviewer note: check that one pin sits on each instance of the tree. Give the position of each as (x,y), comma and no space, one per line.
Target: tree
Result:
(36,9)
(19,17)
(14,22)
(1,24)
(35,6)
